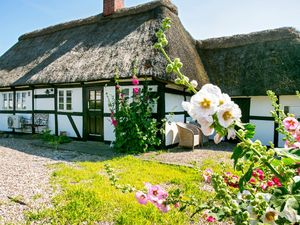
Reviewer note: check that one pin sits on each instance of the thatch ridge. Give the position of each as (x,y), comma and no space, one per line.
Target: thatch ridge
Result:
(249,65)
(251,38)
(102,19)
(86,50)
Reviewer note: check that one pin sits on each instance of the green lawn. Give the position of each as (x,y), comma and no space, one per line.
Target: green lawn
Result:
(87,196)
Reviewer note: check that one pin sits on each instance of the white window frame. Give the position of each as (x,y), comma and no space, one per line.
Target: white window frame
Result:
(21,98)
(8,101)
(62,100)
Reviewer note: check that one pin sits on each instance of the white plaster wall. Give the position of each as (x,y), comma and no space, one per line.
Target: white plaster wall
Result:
(78,120)
(28,128)
(293,102)
(76,99)
(260,106)
(65,125)
(173,102)
(171,130)
(264,131)
(44,104)
(109,134)
(51,123)
(3,122)
(42,91)
(109,95)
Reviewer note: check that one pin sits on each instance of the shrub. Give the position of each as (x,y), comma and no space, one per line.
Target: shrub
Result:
(135,128)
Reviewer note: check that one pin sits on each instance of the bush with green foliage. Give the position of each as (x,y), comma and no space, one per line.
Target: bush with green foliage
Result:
(135,128)
(51,139)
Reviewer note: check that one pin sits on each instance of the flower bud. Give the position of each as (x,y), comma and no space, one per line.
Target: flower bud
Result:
(194,83)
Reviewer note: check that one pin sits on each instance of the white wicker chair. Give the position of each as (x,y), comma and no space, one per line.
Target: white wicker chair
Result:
(189,135)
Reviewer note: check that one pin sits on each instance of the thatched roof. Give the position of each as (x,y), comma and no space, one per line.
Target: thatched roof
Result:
(253,63)
(91,48)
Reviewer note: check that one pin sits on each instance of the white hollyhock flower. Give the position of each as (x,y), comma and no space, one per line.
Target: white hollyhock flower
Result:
(223,99)
(194,83)
(205,104)
(189,108)
(270,216)
(212,89)
(228,113)
(244,195)
(206,124)
(231,133)
(218,138)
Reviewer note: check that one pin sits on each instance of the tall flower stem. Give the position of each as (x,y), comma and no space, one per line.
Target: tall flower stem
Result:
(274,171)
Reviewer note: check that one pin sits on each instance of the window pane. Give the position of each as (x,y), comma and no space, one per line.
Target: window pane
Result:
(92,95)
(98,95)
(98,105)
(19,101)
(69,100)
(10,103)
(5,101)
(92,104)
(61,93)
(61,106)
(24,100)
(69,107)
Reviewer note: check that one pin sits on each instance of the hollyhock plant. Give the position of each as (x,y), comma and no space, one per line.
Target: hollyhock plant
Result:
(207,175)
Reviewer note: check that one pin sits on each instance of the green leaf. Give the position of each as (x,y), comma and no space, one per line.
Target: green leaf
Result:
(246,177)
(237,152)
(250,130)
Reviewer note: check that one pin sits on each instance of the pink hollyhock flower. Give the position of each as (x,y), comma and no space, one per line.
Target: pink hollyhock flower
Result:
(164,207)
(252,180)
(141,197)
(118,87)
(297,131)
(270,183)
(136,90)
(264,186)
(290,123)
(211,219)
(155,192)
(207,175)
(277,181)
(258,173)
(177,205)
(135,81)
(114,122)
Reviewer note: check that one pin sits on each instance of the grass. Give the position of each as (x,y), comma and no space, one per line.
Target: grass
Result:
(87,196)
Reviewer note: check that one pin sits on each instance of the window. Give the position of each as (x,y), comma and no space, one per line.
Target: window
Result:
(65,100)
(7,101)
(61,100)
(95,99)
(21,100)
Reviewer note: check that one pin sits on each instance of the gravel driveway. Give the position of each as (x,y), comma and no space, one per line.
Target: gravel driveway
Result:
(24,176)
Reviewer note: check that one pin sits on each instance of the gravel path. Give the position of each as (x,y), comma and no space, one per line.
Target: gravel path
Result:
(24,176)
(179,156)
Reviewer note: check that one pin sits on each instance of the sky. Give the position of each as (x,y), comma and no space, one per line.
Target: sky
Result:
(202,18)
